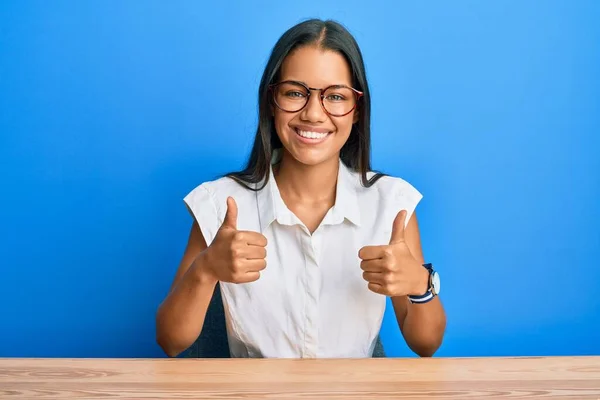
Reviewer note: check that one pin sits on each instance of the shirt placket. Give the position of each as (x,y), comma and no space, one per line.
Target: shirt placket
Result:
(312,285)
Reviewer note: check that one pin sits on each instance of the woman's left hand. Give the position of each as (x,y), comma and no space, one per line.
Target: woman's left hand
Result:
(391,269)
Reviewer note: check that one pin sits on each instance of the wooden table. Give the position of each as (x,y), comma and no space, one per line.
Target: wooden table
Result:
(433,378)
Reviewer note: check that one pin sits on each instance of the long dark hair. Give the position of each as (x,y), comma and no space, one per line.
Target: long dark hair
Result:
(356,151)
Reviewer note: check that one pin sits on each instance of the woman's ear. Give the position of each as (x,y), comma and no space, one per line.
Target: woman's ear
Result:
(356,116)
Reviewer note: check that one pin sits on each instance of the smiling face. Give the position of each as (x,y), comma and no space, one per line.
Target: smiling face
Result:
(311,136)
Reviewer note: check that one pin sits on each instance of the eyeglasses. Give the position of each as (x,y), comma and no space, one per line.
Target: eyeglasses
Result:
(336,100)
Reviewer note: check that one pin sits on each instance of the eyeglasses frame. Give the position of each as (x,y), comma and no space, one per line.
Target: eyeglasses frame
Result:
(357,93)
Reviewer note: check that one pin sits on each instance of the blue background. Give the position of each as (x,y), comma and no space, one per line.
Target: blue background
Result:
(110,112)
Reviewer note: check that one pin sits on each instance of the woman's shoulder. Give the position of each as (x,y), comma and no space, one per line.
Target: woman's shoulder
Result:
(207,203)
(217,190)
(387,186)
(396,194)
(386,196)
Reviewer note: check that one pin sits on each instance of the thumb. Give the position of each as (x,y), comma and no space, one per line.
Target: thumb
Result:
(231,215)
(398,228)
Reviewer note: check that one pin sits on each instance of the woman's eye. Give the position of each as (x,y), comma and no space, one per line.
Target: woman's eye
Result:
(294,94)
(335,97)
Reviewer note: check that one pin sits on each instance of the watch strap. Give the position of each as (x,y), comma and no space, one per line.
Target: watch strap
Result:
(428,295)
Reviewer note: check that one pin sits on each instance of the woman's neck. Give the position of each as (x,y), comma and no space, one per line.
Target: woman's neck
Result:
(306,183)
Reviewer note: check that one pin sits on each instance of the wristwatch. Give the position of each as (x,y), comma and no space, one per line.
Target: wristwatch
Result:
(433,288)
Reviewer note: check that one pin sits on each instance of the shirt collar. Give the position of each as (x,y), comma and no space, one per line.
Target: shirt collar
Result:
(346,199)
(272,208)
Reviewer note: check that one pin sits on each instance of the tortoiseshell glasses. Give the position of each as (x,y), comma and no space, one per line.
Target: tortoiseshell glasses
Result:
(336,100)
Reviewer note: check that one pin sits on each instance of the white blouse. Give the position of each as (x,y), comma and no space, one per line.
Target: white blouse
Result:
(311,301)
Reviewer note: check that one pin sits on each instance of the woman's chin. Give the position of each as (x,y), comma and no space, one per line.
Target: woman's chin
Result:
(312,157)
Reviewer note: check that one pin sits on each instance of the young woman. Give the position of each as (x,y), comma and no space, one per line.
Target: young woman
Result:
(306,242)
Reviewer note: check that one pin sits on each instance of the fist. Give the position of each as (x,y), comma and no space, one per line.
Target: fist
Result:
(236,256)
(391,269)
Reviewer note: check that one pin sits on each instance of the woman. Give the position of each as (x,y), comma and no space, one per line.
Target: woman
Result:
(306,241)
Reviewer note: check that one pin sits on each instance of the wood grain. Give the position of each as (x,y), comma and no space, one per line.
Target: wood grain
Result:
(413,378)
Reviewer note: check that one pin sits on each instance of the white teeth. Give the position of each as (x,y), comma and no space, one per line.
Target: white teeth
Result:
(311,135)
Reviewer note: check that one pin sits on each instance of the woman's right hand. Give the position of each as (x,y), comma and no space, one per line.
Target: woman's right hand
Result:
(235,256)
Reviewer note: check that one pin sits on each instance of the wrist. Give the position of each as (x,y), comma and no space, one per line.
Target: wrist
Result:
(421,285)
(432,289)
(201,270)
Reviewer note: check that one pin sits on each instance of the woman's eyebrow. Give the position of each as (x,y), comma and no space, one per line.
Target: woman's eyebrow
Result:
(306,84)
(294,80)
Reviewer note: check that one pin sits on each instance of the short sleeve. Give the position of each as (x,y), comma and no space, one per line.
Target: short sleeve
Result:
(201,205)
(408,198)
(402,196)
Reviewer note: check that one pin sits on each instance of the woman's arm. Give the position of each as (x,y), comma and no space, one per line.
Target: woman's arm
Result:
(233,256)
(422,325)
(180,317)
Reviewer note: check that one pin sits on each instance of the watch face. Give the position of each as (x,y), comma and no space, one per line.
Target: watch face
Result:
(435,282)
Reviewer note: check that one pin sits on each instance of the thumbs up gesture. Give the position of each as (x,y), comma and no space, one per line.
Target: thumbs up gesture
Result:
(236,256)
(391,269)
